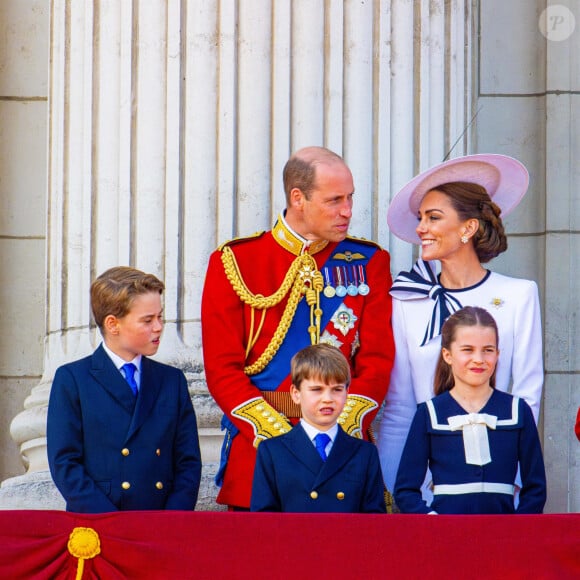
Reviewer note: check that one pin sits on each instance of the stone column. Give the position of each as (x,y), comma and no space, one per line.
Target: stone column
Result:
(560,24)
(529,109)
(116,196)
(170,122)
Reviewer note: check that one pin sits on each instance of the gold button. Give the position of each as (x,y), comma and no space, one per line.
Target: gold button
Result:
(260,407)
(159,485)
(340,495)
(125,485)
(158,452)
(341,421)
(125,452)
(314,495)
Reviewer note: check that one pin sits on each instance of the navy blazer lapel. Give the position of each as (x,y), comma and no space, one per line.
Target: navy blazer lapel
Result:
(108,376)
(343,448)
(300,445)
(151,383)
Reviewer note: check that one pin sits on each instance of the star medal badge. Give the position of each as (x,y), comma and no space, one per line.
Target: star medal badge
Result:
(343,319)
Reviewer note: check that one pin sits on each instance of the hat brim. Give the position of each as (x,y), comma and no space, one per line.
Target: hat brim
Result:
(505,179)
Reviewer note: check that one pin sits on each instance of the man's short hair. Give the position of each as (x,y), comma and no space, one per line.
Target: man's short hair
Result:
(320,362)
(114,291)
(300,170)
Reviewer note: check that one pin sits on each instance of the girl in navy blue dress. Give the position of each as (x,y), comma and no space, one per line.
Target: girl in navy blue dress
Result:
(471,436)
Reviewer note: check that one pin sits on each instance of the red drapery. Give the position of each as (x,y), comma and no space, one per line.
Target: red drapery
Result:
(216,545)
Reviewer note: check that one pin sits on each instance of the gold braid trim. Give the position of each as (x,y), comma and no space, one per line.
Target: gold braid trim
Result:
(302,277)
(390,502)
(351,418)
(266,421)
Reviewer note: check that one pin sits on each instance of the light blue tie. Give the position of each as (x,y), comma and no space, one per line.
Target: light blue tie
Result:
(321,441)
(129,369)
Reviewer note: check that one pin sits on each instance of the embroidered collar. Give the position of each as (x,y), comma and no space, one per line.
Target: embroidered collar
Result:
(294,242)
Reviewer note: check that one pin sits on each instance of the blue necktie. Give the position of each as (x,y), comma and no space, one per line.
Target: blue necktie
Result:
(130,369)
(321,441)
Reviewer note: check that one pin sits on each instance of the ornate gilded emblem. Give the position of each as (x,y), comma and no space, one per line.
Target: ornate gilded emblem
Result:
(344,319)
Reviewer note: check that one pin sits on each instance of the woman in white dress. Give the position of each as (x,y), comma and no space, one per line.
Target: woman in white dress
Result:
(453,212)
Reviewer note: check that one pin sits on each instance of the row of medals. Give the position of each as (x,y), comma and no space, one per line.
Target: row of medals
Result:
(350,287)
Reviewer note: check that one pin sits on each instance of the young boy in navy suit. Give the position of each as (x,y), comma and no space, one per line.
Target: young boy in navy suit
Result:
(317,467)
(121,429)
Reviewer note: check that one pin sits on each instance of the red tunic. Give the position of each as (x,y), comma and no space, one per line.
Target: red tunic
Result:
(263,263)
(577,427)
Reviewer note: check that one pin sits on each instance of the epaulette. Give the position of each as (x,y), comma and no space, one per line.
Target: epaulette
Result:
(235,241)
(364,241)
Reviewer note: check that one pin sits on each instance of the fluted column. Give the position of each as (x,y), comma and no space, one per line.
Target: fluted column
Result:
(170,123)
(562,251)
(117,195)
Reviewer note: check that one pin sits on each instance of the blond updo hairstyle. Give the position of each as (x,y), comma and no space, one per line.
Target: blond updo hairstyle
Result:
(471,200)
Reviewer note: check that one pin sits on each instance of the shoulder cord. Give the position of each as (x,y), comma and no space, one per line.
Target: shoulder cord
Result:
(302,277)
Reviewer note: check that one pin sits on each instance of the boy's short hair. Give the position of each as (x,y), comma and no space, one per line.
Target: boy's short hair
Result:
(320,361)
(113,292)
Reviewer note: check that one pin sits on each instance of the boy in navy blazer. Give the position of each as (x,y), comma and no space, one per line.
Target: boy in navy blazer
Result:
(317,467)
(121,429)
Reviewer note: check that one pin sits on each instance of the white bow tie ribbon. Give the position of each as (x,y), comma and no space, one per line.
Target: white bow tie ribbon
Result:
(475,437)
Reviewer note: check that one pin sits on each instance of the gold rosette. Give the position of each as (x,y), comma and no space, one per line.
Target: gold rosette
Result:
(83,543)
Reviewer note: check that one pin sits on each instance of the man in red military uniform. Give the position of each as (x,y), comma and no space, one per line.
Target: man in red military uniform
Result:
(267,296)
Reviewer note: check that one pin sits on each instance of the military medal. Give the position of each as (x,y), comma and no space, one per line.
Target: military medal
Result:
(329,290)
(340,288)
(352,289)
(363,288)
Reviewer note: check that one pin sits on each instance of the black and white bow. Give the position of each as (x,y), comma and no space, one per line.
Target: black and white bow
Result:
(420,282)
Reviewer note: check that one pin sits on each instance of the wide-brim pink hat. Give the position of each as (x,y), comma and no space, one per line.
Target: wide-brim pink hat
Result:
(505,179)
